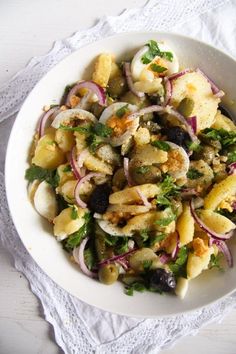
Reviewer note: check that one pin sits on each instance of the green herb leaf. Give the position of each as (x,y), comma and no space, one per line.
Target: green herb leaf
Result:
(74,213)
(42,174)
(147,263)
(179,266)
(157,68)
(89,258)
(93,142)
(153,51)
(215,262)
(168,187)
(129,290)
(122,245)
(231,157)
(157,238)
(194,146)
(102,130)
(226,138)
(161,200)
(75,239)
(166,221)
(67,169)
(162,145)
(144,235)
(193,173)
(142,169)
(136,286)
(122,111)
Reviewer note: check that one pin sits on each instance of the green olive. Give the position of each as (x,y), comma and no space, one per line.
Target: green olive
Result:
(207,153)
(186,107)
(117,86)
(108,274)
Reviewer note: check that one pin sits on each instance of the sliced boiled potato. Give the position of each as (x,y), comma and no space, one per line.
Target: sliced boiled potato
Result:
(138,259)
(47,153)
(102,69)
(142,136)
(223,122)
(185,226)
(65,225)
(196,264)
(130,195)
(45,201)
(67,190)
(149,86)
(113,229)
(64,173)
(65,139)
(93,163)
(181,287)
(80,139)
(148,154)
(216,222)
(220,191)
(207,175)
(131,209)
(107,154)
(195,86)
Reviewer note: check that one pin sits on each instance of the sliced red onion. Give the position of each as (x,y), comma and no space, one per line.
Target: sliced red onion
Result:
(129,79)
(225,250)
(74,166)
(188,192)
(234,205)
(205,228)
(232,168)
(150,109)
(131,244)
(82,157)
(126,171)
(118,257)
(176,249)
(168,91)
(79,201)
(91,86)
(192,121)
(215,90)
(165,258)
(181,119)
(179,74)
(143,198)
(124,264)
(44,119)
(78,254)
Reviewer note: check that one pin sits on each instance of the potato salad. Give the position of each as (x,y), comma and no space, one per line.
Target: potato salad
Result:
(135,171)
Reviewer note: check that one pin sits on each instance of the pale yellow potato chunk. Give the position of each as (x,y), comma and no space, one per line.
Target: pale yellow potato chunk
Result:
(80,139)
(95,164)
(65,139)
(223,122)
(64,225)
(130,195)
(148,86)
(47,153)
(185,226)
(148,154)
(115,71)
(195,86)
(142,136)
(196,264)
(204,181)
(63,174)
(138,258)
(131,209)
(67,190)
(216,222)
(220,191)
(102,69)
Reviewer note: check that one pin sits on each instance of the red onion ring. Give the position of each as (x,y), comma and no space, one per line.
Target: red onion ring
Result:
(129,80)
(176,249)
(179,74)
(165,258)
(188,192)
(225,250)
(143,198)
(123,263)
(74,166)
(168,91)
(232,168)
(90,85)
(78,254)
(205,228)
(192,121)
(79,201)
(82,157)
(118,257)
(150,109)
(215,90)
(182,120)
(126,171)
(44,119)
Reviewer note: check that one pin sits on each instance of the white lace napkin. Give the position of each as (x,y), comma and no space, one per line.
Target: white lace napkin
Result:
(80,328)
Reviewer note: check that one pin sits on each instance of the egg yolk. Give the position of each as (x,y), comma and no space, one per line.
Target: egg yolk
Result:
(159,62)
(119,125)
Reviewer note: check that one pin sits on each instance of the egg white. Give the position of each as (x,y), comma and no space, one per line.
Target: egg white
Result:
(137,66)
(185,161)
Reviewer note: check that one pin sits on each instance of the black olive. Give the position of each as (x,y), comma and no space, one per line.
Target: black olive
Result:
(99,198)
(176,135)
(161,280)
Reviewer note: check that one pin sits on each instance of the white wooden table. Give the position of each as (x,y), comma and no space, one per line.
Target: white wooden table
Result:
(28,28)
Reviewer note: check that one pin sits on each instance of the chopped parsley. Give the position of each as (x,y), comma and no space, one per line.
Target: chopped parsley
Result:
(136,286)
(157,68)
(158,238)
(122,111)
(147,263)
(67,169)
(162,145)
(153,51)
(168,187)
(89,258)
(231,157)
(93,142)
(179,266)
(74,213)
(75,239)
(193,173)
(102,130)
(226,138)
(162,200)
(215,262)
(166,221)
(194,146)
(142,170)
(42,174)
(144,235)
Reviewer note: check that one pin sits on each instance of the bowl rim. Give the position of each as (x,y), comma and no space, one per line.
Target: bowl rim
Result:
(7,169)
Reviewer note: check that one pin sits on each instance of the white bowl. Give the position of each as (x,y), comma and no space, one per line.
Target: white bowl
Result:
(36,233)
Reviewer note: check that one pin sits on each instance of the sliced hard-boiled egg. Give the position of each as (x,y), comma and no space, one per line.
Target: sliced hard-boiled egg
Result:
(177,164)
(65,117)
(116,116)
(45,201)
(149,71)
(112,229)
